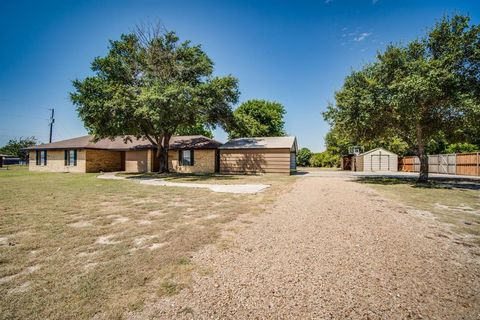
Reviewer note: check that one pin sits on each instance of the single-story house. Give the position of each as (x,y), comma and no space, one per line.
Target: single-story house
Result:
(189,154)
(377,159)
(259,155)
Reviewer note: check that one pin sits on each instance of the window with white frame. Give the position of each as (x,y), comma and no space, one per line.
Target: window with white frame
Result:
(186,157)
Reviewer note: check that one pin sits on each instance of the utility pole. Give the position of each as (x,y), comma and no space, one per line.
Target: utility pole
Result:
(52,120)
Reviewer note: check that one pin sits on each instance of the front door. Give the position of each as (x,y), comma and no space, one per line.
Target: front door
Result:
(217,161)
(122,160)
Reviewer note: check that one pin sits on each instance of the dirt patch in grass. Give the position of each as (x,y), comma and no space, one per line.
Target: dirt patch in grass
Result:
(212,178)
(455,203)
(73,246)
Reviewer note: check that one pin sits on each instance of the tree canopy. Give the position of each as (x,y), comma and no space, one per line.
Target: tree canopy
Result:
(338,143)
(198,129)
(15,147)
(152,85)
(258,118)
(416,91)
(303,157)
(325,159)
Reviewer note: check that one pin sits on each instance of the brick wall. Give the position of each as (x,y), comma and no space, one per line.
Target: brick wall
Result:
(204,162)
(56,162)
(103,160)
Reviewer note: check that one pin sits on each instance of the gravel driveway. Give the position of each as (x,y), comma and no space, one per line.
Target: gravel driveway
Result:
(331,249)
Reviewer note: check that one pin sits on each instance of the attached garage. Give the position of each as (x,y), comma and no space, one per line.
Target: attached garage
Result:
(377,159)
(259,155)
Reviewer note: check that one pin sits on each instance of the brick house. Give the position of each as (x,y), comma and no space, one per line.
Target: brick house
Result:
(188,154)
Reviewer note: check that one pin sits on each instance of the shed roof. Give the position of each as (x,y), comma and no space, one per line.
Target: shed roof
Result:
(376,149)
(129,143)
(289,142)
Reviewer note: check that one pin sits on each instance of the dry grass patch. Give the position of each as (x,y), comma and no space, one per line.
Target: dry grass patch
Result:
(73,246)
(453,202)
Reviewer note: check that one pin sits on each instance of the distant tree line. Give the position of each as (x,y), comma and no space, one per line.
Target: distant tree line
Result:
(327,159)
(15,147)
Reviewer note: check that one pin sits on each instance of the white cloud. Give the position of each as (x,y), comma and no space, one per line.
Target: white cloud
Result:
(362,36)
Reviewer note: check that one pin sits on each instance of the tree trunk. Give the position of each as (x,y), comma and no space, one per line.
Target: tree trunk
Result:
(158,155)
(422,155)
(162,153)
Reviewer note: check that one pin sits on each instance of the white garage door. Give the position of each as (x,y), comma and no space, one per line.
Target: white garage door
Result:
(380,162)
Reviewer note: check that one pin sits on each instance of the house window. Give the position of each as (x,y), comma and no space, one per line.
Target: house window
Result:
(41,157)
(71,157)
(186,157)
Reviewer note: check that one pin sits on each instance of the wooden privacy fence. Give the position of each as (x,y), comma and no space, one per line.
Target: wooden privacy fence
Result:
(465,164)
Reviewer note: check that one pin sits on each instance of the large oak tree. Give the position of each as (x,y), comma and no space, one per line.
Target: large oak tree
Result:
(151,85)
(258,118)
(416,91)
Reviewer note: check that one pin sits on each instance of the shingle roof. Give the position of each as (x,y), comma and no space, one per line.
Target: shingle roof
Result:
(119,143)
(262,143)
(193,142)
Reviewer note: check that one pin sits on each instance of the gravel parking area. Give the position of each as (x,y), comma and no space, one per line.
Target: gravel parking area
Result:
(331,249)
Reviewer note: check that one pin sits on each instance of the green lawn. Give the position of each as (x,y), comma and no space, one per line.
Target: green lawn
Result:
(455,203)
(73,246)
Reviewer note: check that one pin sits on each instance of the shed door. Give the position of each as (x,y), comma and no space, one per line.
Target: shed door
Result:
(380,162)
(293,161)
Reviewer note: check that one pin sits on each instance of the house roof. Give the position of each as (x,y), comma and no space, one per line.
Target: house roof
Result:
(129,143)
(376,149)
(262,143)
(193,142)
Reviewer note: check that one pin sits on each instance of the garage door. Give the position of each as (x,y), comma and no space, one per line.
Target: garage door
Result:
(380,162)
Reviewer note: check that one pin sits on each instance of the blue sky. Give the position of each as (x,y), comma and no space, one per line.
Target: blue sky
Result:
(293,52)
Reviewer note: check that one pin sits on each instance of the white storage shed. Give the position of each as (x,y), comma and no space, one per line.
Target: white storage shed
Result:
(377,159)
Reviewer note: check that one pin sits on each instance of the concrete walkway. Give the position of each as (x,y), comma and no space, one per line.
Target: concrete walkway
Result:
(226,188)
